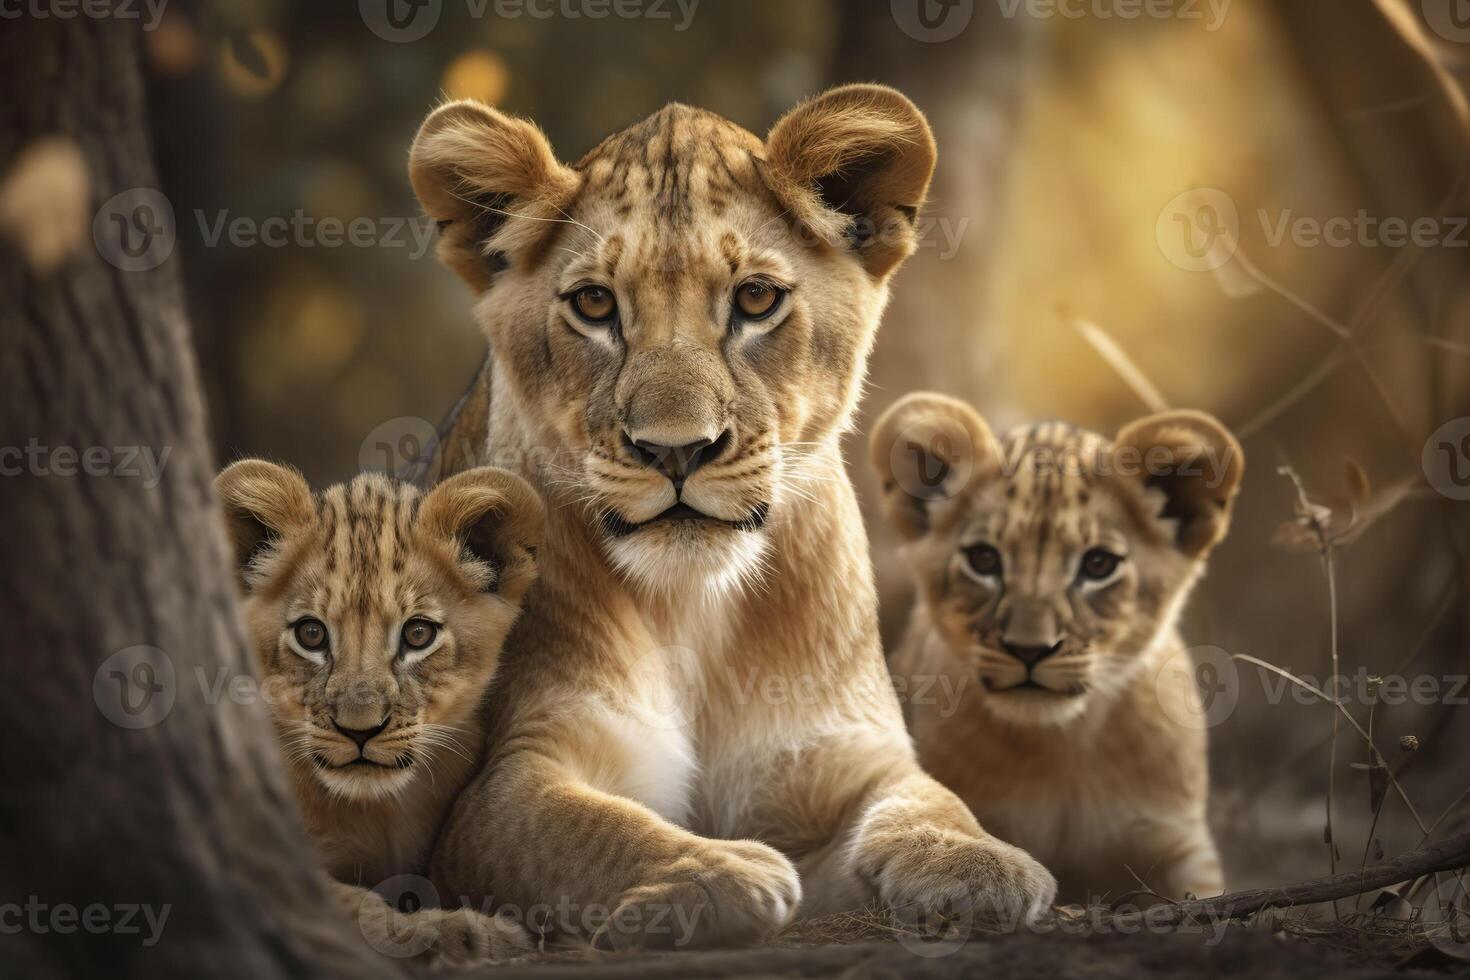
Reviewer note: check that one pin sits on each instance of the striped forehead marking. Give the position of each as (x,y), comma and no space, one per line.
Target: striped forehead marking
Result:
(366,534)
(685,160)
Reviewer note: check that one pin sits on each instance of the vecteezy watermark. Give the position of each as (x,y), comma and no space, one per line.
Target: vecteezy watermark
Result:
(1450,19)
(1198,688)
(396,445)
(932,21)
(1446,915)
(135,230)
(63,918)
(403,21)
(149,11)
(413,920)
(1211,13)
(135,688)
(1200,230)
(1446,459)
(302,230)
(143,463)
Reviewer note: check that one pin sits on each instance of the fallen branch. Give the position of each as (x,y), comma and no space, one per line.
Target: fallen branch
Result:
(1450,854)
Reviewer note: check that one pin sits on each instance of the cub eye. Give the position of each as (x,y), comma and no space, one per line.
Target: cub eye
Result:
(757,299)
(419,633)
(595,304)
(1099,563)
(984,560)
(311,634)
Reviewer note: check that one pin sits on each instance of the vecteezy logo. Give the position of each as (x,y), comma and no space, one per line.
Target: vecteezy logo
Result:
(387,916)
(1198,688)
(1450,19)
(396,444)
(940,926)
(932,458)
(134,688)
(400,21)
(1446,915)
(932,21)
(134,230)
(1446,459)
(1199,230)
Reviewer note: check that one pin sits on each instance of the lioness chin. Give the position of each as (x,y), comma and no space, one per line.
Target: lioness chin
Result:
(693,734)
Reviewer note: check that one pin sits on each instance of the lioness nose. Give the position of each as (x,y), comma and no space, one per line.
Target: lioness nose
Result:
(360,735)
(1030,655)
(678,463)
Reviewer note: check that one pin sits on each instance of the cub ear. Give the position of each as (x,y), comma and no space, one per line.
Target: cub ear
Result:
(263,502)
(476,171)
(928,448)
(853,165)
(496,521)
(1197,464)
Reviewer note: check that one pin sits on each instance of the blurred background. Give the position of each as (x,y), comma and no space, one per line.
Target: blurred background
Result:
(1253,208)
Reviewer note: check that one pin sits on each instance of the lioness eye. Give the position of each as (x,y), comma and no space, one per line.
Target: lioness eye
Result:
(311,634)
(595,304)
(1099,563)
(984,560)
(757,300)
(419,633)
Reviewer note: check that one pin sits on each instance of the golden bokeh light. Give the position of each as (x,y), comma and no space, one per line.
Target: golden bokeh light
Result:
(477,75)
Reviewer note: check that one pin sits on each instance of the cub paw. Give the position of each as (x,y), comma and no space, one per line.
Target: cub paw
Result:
(464,937)
(450,937)
(970,878)
(729,893)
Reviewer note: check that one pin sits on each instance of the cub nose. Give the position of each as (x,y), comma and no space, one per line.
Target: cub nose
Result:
(360,735)
(678,463)
(1031,655)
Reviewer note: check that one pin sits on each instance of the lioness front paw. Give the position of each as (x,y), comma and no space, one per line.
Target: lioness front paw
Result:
(730,893)
(949,875)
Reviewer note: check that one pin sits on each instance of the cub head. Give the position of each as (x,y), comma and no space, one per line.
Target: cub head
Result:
(684,314)
(377,611)
(1053,559)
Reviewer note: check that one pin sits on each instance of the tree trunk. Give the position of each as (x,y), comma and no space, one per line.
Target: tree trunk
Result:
(133,785)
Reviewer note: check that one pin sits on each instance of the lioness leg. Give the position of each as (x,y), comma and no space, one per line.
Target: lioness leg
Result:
(914,844)
(607,867)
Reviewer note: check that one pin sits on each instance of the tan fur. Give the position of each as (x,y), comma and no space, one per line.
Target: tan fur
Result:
(364,559)
(694,718)
(1093,773)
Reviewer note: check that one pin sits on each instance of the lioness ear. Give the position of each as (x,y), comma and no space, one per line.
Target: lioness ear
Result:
(853,165)
(1197,464)
(928,448)
(496,521)
(263,502)
(475,170)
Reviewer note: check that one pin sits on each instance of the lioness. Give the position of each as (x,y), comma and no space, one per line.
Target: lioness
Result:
(693,728)
(1051,567)
(377,613)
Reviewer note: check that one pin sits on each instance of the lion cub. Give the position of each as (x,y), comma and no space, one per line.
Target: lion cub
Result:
(1051,567)
(378,614)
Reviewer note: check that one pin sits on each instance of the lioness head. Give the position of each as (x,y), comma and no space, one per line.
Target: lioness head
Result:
(1053,558)
(684,314)
(378,612)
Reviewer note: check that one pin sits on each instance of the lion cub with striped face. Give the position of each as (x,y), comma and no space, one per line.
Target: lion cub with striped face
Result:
(1051,568)
(378,613)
